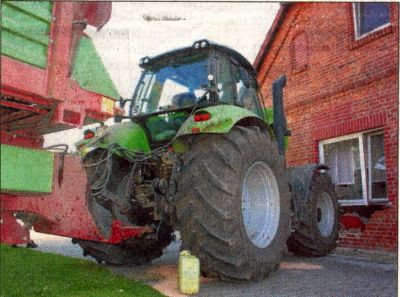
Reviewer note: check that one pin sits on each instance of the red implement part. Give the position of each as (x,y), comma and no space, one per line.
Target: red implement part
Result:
(36,101)
(23,139)
(96,14)
(12,232)
(48,100)
(64,212)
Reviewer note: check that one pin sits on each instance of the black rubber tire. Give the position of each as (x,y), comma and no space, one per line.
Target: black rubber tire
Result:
(307,239)
(134,251)
(209,203)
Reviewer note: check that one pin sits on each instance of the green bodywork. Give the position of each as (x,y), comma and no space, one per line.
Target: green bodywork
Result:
(89,70)
(269,118)
(25,29)
(268,115)
(25,36)
(171,126)
(26,170)
(223,118)
(168,127)
(128,135)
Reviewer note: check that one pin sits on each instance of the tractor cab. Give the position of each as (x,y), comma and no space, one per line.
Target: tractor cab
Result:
(176,83)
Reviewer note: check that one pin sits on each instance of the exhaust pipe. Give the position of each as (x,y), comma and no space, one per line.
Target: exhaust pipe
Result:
(280,125)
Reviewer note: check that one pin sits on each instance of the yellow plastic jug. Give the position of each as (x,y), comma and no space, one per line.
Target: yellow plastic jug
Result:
(188,273)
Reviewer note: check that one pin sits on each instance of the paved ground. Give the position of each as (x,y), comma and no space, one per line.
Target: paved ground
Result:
(345,273)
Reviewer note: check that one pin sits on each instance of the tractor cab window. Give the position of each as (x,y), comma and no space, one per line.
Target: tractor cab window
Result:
(246,92)
(236,85)
(226,82)
(172,86)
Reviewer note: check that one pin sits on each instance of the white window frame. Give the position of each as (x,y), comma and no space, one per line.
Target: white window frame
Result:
(356,23)
(365,156)
(359,136)
(370,199)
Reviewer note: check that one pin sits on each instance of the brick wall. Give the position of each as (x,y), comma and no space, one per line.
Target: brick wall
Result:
(345,87)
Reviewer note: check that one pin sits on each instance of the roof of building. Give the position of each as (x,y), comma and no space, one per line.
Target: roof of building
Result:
(265,47)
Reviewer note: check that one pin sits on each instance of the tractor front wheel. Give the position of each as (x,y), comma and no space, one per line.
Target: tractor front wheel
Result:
(318,228)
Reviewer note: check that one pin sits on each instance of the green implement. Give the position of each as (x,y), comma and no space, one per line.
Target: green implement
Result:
(26,170)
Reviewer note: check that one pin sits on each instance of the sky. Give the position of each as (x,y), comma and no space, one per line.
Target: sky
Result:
(138,29)
(143,29)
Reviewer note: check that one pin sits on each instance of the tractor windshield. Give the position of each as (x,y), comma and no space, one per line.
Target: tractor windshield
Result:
(173,86)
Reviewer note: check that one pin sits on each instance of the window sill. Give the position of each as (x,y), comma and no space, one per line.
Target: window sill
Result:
(355,43)
(352,202)
(363,203)
(383,202)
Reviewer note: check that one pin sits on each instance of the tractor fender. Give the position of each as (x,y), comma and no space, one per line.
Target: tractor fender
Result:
(300,178)
(128,135)
(223,118)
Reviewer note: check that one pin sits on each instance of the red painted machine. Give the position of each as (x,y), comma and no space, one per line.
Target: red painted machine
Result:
(52,79)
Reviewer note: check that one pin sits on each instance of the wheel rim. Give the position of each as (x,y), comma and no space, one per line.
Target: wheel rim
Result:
(325,214)
(260,204)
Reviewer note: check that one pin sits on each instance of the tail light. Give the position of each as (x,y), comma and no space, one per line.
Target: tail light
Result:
(202,116)
(88,134)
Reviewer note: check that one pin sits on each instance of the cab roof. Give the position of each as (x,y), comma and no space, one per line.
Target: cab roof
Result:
(200,46)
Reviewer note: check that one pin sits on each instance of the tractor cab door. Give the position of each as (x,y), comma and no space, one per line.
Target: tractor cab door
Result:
(246,91)
(236,86)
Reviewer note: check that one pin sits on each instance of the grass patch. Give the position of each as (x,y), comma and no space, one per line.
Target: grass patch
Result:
(25,272)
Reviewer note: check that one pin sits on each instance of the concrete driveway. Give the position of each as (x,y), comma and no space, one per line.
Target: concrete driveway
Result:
(333,276)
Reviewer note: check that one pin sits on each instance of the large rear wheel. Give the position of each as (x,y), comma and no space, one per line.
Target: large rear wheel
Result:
(233,203)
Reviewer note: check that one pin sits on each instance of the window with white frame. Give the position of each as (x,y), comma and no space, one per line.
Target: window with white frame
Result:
(370,17)
(357,167)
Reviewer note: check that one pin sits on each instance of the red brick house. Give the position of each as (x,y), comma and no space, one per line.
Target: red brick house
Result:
(341,101)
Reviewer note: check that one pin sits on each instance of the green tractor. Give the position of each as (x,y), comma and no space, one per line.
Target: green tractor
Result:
(200,154)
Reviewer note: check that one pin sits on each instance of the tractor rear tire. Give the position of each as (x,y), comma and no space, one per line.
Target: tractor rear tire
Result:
(318,231)
(221,179)
(134,251)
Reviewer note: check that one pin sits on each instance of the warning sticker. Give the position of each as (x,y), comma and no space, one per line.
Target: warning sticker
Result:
(107,105)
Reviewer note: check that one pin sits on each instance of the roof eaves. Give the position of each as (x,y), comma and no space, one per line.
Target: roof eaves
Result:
(271,35)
